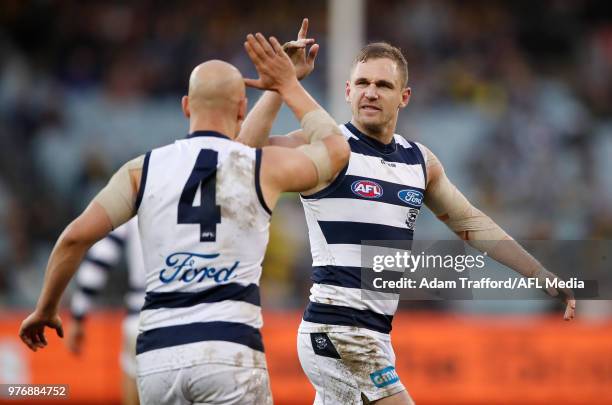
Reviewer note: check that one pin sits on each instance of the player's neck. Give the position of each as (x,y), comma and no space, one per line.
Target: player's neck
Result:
(384,136)
(224,126)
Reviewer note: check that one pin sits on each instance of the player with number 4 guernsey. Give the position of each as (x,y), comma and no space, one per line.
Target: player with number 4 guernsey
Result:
(203,206)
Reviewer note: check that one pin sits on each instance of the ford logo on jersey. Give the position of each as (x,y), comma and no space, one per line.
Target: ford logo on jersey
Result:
(367,189)
(184,266)
(411,197)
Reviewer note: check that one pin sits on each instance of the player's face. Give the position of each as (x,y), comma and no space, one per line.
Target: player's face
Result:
(376,93)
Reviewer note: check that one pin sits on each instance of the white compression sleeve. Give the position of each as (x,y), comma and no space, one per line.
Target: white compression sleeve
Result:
(118,198)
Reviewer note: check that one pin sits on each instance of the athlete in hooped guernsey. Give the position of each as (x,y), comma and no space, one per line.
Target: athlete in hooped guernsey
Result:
(203,206)
(368,198)
(377,197)
(344,343)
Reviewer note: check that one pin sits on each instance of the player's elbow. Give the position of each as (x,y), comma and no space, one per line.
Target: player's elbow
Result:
(76,234)
(71,235)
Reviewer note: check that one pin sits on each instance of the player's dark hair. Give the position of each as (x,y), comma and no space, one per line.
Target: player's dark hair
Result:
(379,50)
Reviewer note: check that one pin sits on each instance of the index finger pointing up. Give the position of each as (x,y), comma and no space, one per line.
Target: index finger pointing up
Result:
(303,29)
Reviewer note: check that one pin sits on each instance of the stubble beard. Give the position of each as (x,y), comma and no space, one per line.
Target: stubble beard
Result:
(374,127)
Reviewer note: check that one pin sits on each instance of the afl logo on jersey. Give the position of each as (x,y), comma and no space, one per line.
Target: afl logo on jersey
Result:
(411,197)
(367,189)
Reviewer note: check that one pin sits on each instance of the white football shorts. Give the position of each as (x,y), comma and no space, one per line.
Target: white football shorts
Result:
(209,384)
(347,365)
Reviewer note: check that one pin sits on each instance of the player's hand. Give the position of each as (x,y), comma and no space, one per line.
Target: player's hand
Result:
(297,52)
(32,330)
(564,294)
(76,336)
(276,72)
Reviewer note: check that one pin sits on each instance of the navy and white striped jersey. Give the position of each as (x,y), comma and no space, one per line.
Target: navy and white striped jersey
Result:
(204,229)
(377,197)
(92,275)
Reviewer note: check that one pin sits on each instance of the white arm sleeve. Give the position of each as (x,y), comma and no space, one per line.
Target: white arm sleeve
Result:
(471,224)
(118,198)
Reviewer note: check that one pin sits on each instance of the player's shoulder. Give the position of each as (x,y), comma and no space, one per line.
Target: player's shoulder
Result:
(236,152)
(347,132)
(235,145)
(408,144)
(195,144)
(224,143)
(163,149)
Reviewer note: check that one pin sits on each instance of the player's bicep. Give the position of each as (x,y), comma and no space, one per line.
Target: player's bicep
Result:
(286,169)
(291,140)
(118,197)
(440,194)
(446,201)
(434,167)
(89,227)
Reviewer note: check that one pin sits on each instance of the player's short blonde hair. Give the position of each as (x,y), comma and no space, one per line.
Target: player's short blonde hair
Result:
(379,50)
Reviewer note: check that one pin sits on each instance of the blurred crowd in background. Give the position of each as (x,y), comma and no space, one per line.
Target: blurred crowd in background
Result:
(515,98)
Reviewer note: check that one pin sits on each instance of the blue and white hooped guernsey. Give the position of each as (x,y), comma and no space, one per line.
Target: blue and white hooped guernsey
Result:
(378,196)
(204,229)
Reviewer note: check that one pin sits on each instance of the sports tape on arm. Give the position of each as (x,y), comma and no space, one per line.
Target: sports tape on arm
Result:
(118,197)
(472,225)
(317,125)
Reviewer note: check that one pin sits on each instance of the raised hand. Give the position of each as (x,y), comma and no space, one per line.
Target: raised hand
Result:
(297,52)
(273,65)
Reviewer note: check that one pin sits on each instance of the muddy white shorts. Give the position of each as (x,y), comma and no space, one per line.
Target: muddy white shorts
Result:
(347,365)
(206,384)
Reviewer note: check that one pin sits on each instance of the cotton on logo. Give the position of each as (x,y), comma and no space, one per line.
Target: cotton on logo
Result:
(367,189)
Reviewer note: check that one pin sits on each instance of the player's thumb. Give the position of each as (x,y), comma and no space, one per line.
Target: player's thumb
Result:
(255,83)
(57,325)
(570,310)
(312,53)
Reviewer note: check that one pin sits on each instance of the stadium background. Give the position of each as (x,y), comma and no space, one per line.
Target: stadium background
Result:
(514,97)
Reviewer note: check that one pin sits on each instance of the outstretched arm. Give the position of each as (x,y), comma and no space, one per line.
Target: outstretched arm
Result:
(481,232)
(113,206)
(256,128)
(68,252)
